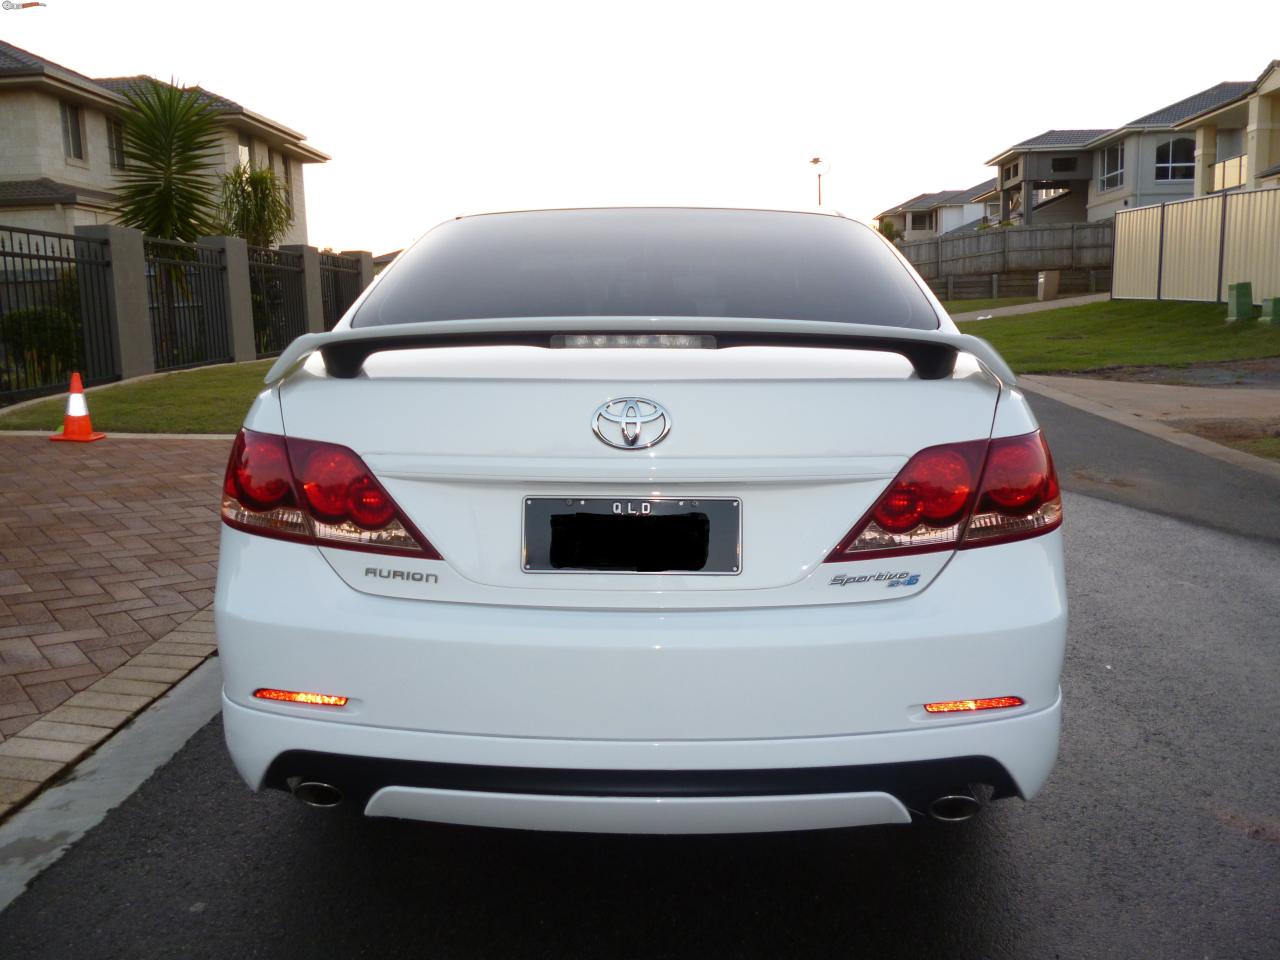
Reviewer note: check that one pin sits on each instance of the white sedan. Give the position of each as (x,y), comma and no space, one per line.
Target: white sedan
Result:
(645,521)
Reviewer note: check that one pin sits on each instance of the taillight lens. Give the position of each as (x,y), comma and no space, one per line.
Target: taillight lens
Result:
(923,509)
(960,495)
(1020,496)
(258,490)
(314,492)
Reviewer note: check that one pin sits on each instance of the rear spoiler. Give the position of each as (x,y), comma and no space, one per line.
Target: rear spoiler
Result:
(932,353)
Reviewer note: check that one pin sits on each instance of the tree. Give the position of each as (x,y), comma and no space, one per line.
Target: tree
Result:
(171,135)
(891,232)
(255,206)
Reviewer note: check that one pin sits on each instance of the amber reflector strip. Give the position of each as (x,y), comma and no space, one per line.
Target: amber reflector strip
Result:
(294,696)
(960,706)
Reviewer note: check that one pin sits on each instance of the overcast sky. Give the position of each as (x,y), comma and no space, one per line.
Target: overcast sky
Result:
(430,110)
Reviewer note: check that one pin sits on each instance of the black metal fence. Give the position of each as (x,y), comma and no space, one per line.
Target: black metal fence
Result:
(55,314)
(278,289)
(186,296)
(339,285)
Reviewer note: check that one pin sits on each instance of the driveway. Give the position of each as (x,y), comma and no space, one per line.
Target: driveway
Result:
(107,550)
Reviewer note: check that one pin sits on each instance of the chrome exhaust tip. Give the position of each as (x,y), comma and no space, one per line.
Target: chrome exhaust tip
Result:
(315,794)
(955,807)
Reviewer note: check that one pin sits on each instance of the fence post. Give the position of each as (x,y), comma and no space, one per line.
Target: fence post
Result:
(126,296)
(235,285)
(365,260)
(1160,257)
(951,293)
(1222,249)
(312,292)
(1073,246)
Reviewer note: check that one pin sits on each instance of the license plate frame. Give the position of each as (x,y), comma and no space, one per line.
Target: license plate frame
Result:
(724,537)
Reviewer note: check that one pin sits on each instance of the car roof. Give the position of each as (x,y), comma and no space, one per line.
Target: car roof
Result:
(813,211)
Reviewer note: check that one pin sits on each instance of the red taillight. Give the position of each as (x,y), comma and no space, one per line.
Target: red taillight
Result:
(1020,496)
(923,509)
(314,492)
(960,495)
(261,467)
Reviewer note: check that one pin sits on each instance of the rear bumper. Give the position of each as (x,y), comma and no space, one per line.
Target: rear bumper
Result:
(643,787)
(668,698)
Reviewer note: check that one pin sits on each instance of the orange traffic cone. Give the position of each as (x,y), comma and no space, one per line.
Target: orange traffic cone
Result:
(76,425)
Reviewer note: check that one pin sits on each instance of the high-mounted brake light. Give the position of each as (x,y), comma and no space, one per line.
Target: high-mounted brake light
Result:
(314,492)
(965,706)
(299,696)
(960,495)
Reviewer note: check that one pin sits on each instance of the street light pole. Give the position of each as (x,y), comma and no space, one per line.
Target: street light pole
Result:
(821,166)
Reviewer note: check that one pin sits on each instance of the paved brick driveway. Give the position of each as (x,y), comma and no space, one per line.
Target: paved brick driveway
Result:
(104,549)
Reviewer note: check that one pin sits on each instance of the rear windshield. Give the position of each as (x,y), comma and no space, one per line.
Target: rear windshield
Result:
(650,263)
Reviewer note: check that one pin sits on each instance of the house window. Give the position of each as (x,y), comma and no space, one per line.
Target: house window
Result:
(1111,173)
(1011,172)
(1063,164)
(246,150)
(1176,159)
(922,221)
(72,132)
(115,143)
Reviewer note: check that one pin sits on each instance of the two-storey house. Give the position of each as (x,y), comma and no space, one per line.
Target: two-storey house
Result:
(62,145)
(1237,141)
(1150,160)
(1045,179)
(933,214)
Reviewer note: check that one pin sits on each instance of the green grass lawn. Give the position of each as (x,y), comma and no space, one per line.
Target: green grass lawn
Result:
(972,306)
(1261,447)
(1124,333)
(207,400)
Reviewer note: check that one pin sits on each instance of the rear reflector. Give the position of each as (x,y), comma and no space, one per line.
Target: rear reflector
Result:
(314,492)
(963,706)
(297,696)
(958,495)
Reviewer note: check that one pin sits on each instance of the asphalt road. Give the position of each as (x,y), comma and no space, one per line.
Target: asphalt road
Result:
(1115,463)
(1158,835)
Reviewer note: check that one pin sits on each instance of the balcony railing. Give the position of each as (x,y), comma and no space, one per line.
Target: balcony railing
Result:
(1230,173)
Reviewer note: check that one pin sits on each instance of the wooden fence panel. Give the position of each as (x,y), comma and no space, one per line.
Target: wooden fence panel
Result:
(1013,249)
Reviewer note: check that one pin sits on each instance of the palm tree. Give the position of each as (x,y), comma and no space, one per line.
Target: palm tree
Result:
(171,135)
(255,205)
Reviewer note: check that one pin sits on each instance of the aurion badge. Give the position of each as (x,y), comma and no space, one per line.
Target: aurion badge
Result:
(631,423)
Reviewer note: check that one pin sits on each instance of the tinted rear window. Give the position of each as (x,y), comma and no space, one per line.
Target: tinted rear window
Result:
(650,263)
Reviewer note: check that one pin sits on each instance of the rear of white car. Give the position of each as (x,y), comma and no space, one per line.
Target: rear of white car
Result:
(643,521)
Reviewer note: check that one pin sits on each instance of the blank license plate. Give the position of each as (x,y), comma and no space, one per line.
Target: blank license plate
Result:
(606,535)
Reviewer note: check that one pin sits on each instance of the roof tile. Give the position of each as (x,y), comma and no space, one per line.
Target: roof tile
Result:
(1209,99)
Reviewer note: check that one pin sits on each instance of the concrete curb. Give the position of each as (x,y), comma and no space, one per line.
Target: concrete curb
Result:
(48,826)
(224,437)
(49,748)
(1154,428)
(1037,307)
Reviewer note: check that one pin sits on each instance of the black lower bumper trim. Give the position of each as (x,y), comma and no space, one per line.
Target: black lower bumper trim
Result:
(915,783)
